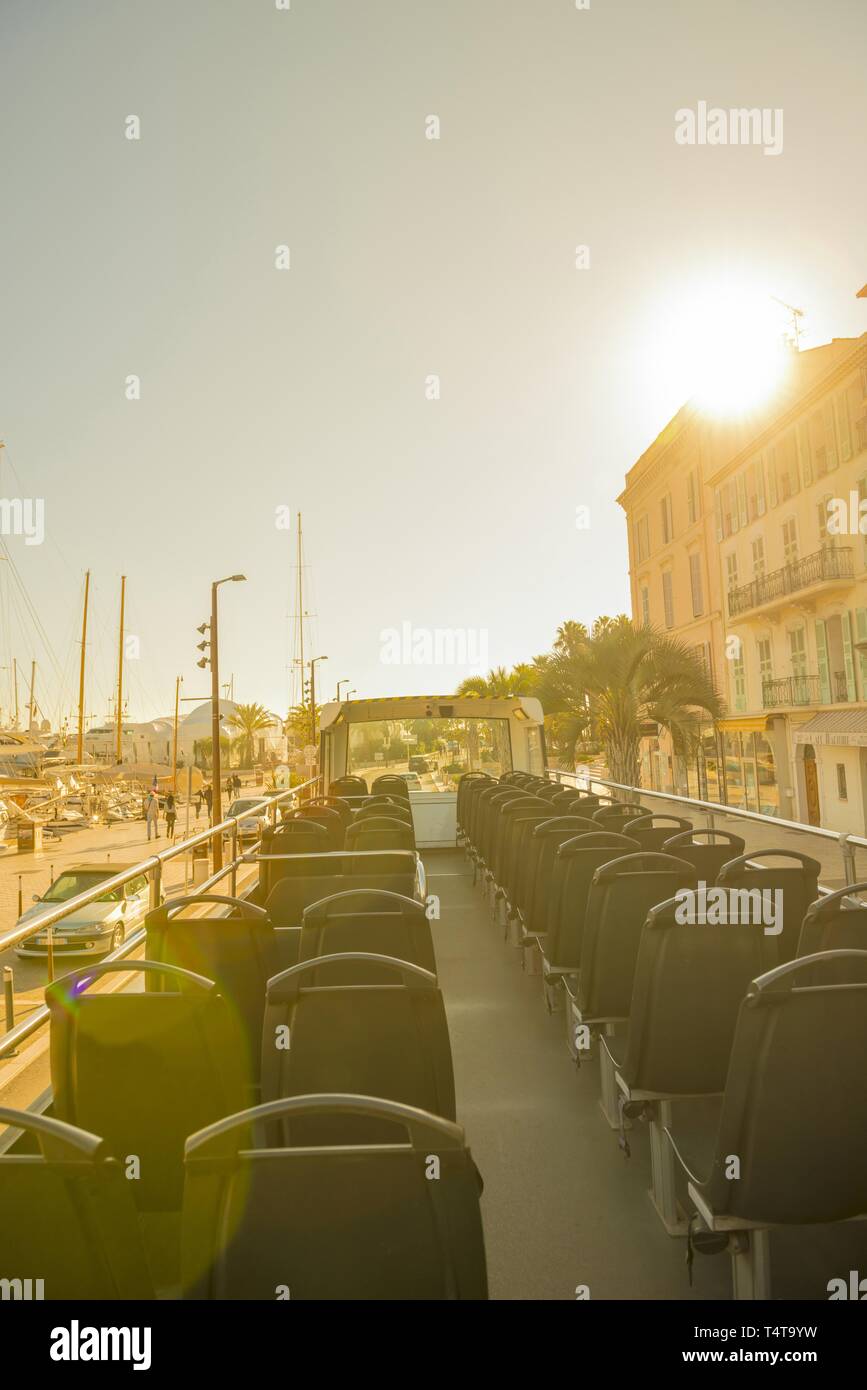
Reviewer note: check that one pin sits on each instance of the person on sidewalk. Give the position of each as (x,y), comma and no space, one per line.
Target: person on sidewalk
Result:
(152,814)
(171,816)
(209,797)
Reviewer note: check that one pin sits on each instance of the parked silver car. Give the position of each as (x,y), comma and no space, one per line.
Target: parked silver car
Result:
(99,927)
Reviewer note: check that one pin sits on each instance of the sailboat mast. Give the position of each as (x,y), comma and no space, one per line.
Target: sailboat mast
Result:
(32,693)
(80,752)
(300,616)
(175,738)
(15,683)
(120,673)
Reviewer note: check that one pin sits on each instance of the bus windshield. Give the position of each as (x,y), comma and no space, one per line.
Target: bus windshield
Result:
(432,754)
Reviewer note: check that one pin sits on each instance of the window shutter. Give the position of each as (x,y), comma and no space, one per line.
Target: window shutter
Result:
(822,655)
(742,499)
(848,656)
(844,433)
(804,453)
(717,512)
(830,435)
(861,636)
(772,476)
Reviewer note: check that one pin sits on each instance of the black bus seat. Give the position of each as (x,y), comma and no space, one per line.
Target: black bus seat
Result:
(797,881)
(393,809)
(792,1113)
(464,799)
(289,837)
(371,920)
(544,841)
(502,814)
(835,922)
(320,876)
(380,832)
(387,1039)
(688,985)
(706,850)
(488,801)
(237,951)
(328,818)
(621,894)
(334,803)
(651,831)
(347,787)
(388,783)
(575,863)
(67,1217)
(617,815)
(146,1069)
(516,883)
(343,1222)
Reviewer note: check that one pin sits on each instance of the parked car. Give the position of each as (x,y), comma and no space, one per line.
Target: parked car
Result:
(250,827)
(99,927)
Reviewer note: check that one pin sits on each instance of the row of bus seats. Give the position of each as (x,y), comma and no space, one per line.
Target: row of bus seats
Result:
(275,1111)
(740,1042)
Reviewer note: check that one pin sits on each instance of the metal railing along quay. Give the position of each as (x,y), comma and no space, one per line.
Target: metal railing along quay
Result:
(712,810)
(152,867)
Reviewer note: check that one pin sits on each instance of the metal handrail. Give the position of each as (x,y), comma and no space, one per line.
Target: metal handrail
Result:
(842,838)
(153,864)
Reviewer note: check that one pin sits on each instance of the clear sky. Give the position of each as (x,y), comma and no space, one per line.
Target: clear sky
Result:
(305,388)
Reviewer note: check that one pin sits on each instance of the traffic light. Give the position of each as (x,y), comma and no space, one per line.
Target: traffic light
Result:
(201,646)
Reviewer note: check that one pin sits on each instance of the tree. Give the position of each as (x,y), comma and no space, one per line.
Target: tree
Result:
(250,719)
(621,678)
(499,683)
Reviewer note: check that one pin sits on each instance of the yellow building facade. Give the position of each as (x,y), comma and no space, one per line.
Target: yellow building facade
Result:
(748,541)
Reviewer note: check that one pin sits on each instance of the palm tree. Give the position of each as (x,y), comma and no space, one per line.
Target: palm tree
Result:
(621,678)
(500,683)
(250,719)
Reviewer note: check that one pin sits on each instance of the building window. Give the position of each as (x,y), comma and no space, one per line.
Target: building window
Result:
(755,490)
(798,650)
(732,570)
(668,599)
(739,682)
(692,496)
(783,464)
(695,583)
(823,514)
(790,541)
(645,605)
(766,670)
(665,511)
(642,538)
(841,782)
(844,429)
(703,652)
(758,557)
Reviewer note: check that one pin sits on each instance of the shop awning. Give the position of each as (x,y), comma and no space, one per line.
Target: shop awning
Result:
(845,726)
(753,725)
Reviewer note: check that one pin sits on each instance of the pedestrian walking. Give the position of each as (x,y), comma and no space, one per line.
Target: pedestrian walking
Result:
(171,816)
(199,799)
(209,797)
(152,815)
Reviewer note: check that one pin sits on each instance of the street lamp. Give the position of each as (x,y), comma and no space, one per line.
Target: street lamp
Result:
(345,681)
(350,693)
(313,696)
(216,802)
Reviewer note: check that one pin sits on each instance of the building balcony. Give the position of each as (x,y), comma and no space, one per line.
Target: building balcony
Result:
(832,565)
(792,692)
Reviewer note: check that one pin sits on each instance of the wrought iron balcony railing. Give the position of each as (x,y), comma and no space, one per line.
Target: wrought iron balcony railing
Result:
(823,565)
(787,691)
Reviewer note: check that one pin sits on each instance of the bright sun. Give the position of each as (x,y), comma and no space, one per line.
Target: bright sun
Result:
(727,348)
